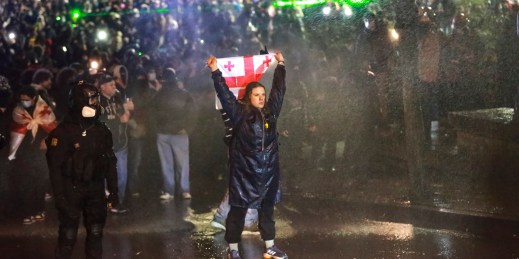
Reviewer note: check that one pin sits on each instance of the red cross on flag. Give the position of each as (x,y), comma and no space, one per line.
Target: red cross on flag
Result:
(239,71)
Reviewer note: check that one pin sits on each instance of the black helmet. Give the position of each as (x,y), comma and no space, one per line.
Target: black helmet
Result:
(83,94)
(169,75)
(370,21)
(369,16)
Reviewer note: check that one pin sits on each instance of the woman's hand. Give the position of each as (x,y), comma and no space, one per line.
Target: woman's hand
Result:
(279,58)
(211,63)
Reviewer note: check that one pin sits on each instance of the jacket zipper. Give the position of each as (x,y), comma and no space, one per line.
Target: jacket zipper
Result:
(263,131)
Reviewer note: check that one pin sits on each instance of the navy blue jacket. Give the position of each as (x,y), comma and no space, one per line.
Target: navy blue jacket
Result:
(253,153)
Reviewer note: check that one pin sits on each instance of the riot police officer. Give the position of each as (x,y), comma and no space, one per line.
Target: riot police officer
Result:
(81,159)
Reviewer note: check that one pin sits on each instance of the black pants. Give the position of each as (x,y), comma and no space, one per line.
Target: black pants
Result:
(29,181)
(236,220)
(135,147)
(87,200)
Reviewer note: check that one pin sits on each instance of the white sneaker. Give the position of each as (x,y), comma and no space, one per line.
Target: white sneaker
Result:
(39,217)
(28,221)
(186,195)
(218,225)
(166,196)
(274,253)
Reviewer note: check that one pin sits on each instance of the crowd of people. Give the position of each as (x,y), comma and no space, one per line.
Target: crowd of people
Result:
(143,73)
(149,76)
(148,61)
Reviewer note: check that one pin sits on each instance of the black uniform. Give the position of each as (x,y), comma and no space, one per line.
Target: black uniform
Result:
(80,158)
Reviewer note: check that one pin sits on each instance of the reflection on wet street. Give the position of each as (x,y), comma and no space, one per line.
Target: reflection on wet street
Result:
(307,228)
(351,213)
(358,208)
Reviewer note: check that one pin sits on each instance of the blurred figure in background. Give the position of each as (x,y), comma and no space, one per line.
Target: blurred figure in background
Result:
(6,95)
(175,114)
(374,49)
(32,119)
(428,73)
(42,82)
(60,92)
(140,137)
(114,114)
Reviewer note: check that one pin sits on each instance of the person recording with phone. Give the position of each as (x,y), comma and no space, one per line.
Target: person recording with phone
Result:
(115,113)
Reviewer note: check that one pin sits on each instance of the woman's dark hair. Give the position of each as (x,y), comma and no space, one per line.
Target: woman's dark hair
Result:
(27,90)
(65,77)
(41,75)
(248,90)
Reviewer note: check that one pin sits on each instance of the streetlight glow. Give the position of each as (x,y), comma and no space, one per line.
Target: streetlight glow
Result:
(102,35)
(327,10)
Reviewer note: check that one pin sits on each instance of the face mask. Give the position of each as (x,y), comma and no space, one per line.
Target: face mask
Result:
(27,104)
(369,24)
(152,76)
(88,112)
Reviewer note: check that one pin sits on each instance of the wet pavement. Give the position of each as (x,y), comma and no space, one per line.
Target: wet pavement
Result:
(351,213)
(307,228)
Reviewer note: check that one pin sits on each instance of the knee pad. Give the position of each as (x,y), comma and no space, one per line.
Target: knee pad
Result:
(68,235)
(95,230)
(93,242)
(63,252)
(67,239)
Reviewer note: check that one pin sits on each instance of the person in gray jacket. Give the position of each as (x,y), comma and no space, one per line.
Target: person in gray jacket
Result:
(174,113)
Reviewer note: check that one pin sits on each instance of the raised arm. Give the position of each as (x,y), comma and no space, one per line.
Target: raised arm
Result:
(278,90)
(227,99)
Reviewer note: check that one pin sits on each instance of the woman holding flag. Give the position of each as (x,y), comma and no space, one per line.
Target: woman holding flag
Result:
(253,154)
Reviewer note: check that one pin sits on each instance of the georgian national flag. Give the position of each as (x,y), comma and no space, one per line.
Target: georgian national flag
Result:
(239,71)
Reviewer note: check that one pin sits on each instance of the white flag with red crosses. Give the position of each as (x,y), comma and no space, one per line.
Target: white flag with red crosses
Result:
(239,71)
